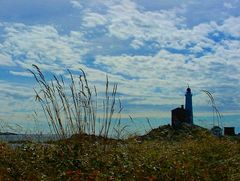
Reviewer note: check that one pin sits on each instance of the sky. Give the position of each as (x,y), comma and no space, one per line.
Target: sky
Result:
(152,49)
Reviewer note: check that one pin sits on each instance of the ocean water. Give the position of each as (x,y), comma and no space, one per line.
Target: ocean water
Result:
(225,121)
(141,125)
(137,126)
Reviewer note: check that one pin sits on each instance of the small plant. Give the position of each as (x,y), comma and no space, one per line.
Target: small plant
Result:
(215,110)
(71,106)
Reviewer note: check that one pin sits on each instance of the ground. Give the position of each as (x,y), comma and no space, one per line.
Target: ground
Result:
(165,153)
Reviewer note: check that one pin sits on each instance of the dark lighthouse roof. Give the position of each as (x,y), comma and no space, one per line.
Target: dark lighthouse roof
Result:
(188,89)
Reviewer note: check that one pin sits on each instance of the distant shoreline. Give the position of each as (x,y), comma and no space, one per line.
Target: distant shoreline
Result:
(8,133)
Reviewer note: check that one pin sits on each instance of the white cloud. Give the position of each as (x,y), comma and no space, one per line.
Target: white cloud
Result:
(17,102)
(6,60)
(24,74)
(137,44)
(171,73)
(42,45)
(125,20)
(228,5)
(92,20)
(231,26)
(14,89)
(76,3)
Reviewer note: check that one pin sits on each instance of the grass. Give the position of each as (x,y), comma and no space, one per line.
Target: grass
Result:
(85,151)
(210,158)
(72,106)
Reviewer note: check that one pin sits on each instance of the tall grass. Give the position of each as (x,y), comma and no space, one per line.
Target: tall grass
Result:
(71,106)
(215,112)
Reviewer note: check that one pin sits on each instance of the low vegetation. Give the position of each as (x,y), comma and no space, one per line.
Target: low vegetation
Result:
(85,157)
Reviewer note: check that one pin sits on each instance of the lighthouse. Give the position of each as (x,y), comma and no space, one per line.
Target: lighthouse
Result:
(188,105)
(183,115)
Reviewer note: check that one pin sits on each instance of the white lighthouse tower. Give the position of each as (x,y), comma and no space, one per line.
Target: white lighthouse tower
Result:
(188,105)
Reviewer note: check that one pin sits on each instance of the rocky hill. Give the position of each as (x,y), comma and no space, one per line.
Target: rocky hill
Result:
(169,133)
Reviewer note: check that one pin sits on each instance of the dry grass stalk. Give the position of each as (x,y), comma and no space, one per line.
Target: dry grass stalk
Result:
(73,108)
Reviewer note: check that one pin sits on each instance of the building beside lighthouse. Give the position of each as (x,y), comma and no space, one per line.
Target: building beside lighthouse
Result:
(181,114)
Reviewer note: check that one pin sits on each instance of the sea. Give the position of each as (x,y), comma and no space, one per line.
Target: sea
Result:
(135,126)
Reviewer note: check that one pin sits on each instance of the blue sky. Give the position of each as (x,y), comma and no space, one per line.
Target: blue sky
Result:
(152,49)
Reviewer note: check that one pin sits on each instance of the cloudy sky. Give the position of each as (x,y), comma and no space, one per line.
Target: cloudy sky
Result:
(152,49)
